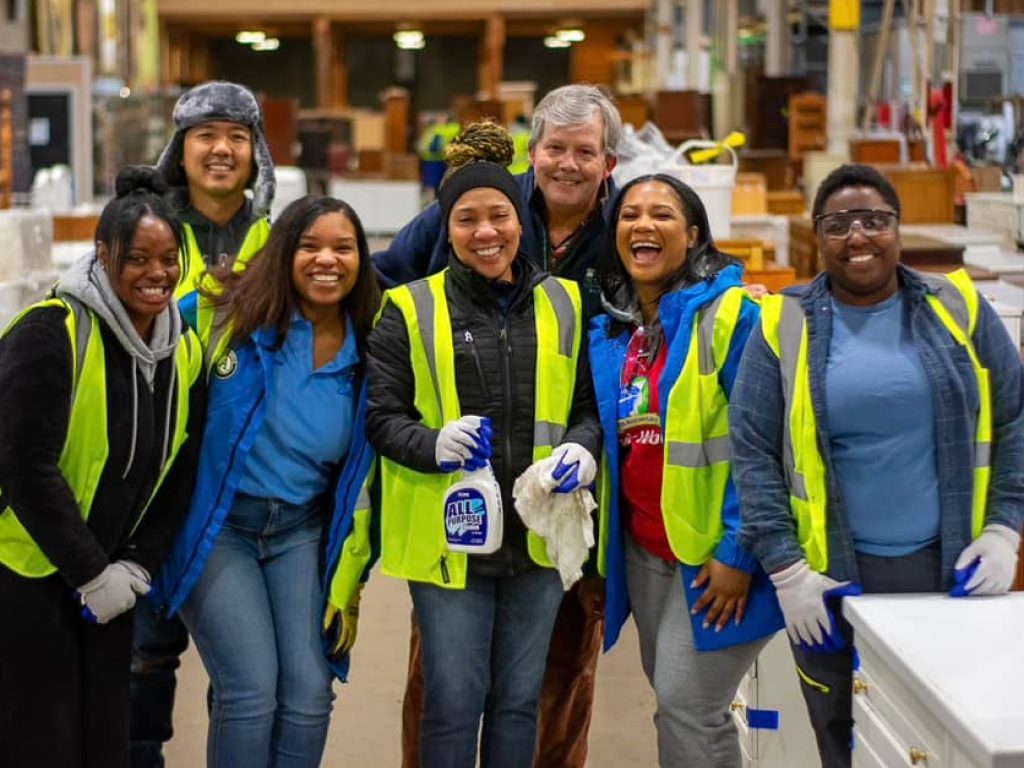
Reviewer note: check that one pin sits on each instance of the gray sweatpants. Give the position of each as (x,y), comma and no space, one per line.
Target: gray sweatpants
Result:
(693,688)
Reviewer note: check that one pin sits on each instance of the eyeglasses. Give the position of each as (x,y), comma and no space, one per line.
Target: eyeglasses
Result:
(872,223)
(640,353)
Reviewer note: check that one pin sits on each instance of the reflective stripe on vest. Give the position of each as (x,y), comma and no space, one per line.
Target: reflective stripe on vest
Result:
(784,327)
(86,449)
(412,531)
(696,428)
(191,257)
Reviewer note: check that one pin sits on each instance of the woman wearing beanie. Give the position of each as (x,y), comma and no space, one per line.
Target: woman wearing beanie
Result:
(483,363)
(101,401)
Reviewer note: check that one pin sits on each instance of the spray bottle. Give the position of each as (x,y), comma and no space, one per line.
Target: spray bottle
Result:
(472,513)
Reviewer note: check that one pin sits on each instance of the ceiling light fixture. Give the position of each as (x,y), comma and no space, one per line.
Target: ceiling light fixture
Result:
(250,37)
(571,35)
(267,44)
(409,39)
(551,41)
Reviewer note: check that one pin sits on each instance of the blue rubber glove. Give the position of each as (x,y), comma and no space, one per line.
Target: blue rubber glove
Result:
(833,640)
(574,467)
(802,596)
(987,565)
(463,444)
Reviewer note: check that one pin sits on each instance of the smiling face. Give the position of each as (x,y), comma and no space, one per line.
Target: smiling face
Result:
(484,231)
(652,235)
(861,266)
(569,164)
(217,158)
(149,272)
(326,264)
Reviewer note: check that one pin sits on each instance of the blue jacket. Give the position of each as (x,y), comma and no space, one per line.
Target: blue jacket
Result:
(607,358)
(421,248)
(757,413)
(234,415)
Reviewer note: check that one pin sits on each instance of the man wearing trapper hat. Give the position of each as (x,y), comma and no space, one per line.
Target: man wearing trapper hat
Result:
(216,153)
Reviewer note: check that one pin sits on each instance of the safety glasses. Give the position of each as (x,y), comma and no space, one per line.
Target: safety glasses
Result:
(871,221)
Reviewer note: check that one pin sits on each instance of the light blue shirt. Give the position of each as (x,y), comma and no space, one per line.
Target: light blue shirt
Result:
(308,424)
(881,421)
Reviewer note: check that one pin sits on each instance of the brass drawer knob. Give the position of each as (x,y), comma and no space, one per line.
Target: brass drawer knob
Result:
(918,756)
(859,686)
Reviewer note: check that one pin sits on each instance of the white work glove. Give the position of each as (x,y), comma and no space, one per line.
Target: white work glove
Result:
(802,594)
(572,467)
(463,444)
(987,564)
(113,592)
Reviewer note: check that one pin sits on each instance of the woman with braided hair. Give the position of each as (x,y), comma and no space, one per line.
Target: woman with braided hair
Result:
(477,364)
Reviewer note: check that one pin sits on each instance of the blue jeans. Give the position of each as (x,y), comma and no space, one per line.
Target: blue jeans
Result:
(484,649)
(255,617)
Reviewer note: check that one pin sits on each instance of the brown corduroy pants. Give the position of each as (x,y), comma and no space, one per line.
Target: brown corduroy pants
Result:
(567,696)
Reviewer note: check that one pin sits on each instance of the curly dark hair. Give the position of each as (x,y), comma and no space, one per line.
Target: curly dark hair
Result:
(479,141)
(264,296)
(703,260)
(855,175)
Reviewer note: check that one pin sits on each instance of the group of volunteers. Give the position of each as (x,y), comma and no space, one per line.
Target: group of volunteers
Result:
(214,427)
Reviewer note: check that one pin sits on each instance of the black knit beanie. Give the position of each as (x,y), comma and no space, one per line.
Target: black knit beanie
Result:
(473,176)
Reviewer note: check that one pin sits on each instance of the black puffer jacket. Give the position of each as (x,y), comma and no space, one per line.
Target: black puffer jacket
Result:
(495,343)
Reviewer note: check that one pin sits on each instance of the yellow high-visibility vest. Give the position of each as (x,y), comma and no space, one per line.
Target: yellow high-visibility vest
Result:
(85,451)
(955,303)
(413,541)
(191,257)
(696,456)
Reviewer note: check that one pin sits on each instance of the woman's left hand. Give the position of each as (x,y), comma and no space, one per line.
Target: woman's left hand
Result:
(725,596)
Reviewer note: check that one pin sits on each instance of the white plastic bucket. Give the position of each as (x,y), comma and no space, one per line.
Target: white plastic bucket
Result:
(713,183)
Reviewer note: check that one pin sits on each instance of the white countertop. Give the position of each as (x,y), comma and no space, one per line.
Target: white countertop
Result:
(964,655)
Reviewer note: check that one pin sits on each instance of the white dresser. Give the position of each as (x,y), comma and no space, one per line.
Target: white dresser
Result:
(940,683)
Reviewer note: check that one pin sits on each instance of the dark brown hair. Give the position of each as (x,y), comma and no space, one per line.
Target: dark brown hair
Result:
(263,295)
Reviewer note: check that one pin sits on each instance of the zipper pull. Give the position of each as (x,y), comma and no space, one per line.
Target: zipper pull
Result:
(469,337)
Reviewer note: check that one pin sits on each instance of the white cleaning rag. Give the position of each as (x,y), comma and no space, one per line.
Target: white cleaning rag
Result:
(562,520)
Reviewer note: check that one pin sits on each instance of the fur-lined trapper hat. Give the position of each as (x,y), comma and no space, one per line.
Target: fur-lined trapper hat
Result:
(221,100)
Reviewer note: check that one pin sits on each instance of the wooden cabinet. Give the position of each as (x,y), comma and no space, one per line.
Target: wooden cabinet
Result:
(926,194)
(865,150)
(807,124)
(779,171)
(939,681)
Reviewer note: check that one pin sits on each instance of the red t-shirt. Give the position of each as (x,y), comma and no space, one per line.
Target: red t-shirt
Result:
(641,442)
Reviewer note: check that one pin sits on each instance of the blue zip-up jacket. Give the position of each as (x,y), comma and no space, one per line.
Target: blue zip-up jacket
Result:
(421,248)
(607,358)
(236,409)
(757,412)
